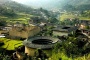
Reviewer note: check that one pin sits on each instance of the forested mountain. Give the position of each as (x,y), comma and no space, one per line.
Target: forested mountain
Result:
(75,4)
(60,4)
(11,8)
(81,4)
(9,4)
(47,4)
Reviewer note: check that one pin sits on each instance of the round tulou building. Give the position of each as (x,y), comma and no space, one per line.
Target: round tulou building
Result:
(44,43)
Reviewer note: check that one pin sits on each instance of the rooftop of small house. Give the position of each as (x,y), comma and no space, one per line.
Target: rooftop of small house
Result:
(65,28)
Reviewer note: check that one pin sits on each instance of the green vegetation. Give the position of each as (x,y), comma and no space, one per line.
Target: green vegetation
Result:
(46,31)
(13,12)
(2,23)
(10,44)
(67,16)
(82,16)
(63,56)
(71,49)
(21,17)
(7,12)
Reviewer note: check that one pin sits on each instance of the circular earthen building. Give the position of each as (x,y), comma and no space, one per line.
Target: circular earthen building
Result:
(44,43)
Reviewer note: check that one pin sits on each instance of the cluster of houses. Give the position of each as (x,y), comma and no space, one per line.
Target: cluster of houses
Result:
(20,30)
(25,31)
(40,42)
(83,25)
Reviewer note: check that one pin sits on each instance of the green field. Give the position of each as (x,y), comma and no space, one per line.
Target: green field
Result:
(71,16)
(10,44)
(20,17)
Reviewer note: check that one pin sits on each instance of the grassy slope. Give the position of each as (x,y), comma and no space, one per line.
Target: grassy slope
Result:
(10,44)
(65,16)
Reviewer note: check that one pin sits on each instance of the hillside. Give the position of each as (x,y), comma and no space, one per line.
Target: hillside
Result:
(59,4)
(79,2)
(76,5)
(68,5)
(12,11)
(15,6)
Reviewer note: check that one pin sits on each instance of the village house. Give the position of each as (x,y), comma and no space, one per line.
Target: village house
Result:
(83,24)
(63,30)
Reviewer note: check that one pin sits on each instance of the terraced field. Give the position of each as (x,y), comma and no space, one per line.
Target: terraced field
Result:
(21,17)
(70,16)
(10,44)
